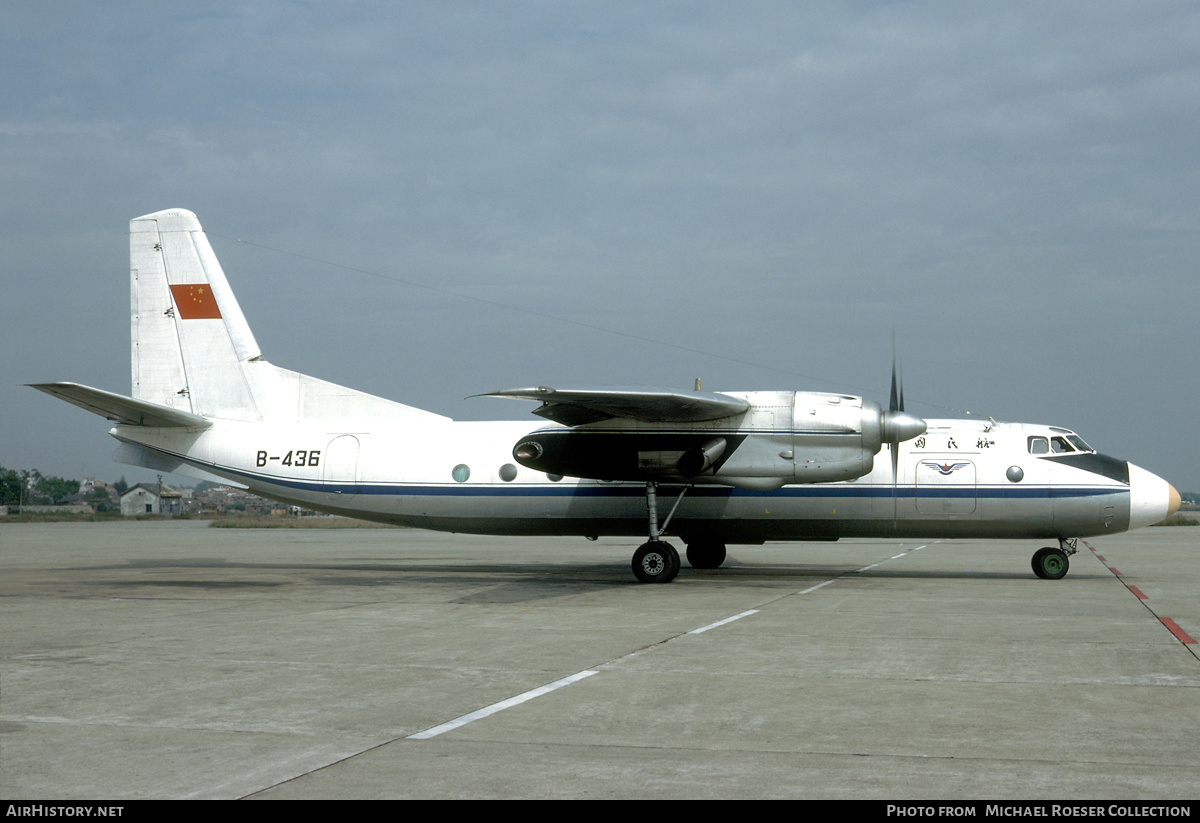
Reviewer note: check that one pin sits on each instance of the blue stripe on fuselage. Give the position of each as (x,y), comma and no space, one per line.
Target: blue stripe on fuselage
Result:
(634,489)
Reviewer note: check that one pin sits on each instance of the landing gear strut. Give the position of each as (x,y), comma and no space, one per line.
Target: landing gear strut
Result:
(1051,563)
(656,561)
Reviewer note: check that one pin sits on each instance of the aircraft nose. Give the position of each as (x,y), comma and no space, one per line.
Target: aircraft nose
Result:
(1151,499)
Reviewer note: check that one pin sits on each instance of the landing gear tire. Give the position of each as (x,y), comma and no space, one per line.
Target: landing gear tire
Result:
(705,554)
(1050,563)
(655,562)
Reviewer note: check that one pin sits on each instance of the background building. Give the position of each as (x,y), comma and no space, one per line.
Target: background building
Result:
(151,498)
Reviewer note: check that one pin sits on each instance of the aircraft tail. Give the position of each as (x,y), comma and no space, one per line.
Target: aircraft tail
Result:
(192,349)
(188,333)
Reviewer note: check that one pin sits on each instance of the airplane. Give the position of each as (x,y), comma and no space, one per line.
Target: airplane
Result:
(737,467)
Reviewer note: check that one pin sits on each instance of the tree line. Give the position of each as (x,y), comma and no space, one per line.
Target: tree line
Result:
(29,487)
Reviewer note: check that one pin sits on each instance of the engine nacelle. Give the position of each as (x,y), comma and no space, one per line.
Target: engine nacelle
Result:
(700,459)
(783,438)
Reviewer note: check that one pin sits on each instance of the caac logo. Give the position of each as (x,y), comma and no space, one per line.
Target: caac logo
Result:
(944,468)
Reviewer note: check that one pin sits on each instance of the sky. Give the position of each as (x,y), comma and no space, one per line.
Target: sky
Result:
(427,201)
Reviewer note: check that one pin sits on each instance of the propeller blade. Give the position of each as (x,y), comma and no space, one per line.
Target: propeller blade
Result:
(895,448)
(895,404)
(896,426)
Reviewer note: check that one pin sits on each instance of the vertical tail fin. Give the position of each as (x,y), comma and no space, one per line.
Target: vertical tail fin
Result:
(188,333)
(194,352)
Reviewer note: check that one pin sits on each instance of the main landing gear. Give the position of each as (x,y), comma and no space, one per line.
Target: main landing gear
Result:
(1051,563)
(656,560)
(705,554)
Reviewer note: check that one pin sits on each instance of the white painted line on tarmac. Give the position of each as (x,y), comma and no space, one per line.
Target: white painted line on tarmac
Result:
(893,557)
(566,681)
(496,707)
(703,629)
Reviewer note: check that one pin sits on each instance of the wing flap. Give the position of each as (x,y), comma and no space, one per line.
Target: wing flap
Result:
(121,409)
(575,407)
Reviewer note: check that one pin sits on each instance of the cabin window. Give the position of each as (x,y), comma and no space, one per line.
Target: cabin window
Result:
(508,472)
(1039,445)
(460,473)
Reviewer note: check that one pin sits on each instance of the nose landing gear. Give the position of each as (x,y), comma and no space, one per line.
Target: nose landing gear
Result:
(1051,563)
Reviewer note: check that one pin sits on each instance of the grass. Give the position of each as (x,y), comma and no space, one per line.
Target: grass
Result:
(215,521)
(254,521)
(1179,520)
(65,517)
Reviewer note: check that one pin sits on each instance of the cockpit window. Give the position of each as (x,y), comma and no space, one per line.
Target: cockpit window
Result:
(1078,443)
(1065,443)
(1059,445)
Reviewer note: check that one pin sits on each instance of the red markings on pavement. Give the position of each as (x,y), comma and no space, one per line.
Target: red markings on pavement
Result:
(1174,629)
(1171,625)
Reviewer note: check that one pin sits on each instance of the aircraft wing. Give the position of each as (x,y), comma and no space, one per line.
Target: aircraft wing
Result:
(122,409)
(575,407)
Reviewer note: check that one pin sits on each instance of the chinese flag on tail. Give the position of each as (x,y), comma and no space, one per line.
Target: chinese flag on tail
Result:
(195,301)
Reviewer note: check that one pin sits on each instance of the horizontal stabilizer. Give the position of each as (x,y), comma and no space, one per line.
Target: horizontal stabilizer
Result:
(121,409)
(576,407)
(133,454)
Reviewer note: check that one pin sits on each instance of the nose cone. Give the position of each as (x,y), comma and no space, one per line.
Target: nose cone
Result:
(1151,499)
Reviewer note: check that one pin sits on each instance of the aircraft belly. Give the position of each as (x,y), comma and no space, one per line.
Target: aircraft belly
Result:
(731,515)
(716,513)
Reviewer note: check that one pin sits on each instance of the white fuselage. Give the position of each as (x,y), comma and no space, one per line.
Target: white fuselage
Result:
(962,478)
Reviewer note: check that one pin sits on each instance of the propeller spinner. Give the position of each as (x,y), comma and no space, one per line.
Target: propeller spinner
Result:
(897,425)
